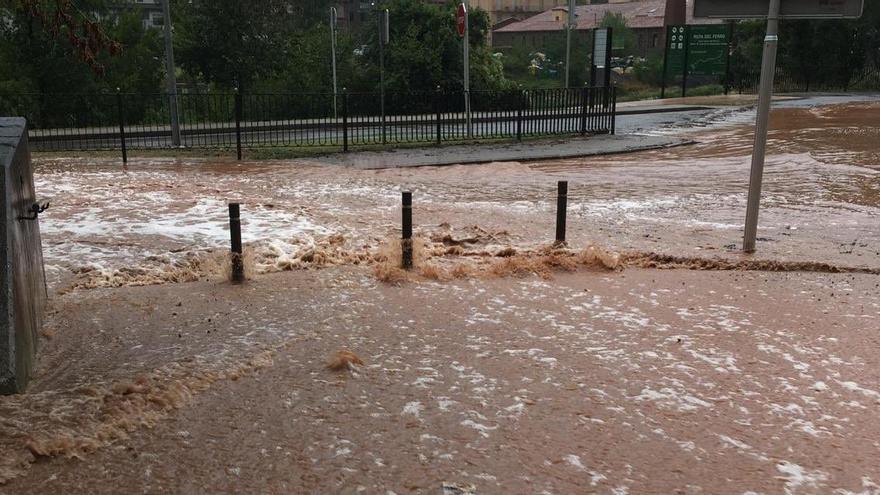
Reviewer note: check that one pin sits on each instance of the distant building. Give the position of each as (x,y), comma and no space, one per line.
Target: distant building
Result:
(351,14)
(151,11)
(647,18)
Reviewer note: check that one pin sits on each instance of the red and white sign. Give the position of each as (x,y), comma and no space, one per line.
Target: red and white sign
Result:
(461,19)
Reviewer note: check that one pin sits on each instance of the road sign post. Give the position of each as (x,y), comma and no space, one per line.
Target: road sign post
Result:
(463,24)
(768,70)
(602,41)
(773,10)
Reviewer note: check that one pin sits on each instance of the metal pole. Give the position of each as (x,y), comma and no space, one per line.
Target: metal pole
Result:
(727,61)
(467,69)
(684,75)
(571,25)
(439,115)
(238,113)
(406,245)
(171,77)
(333,49)
(665,63)
(383,30)
(121,112)
(344,119)
(561,209)
(235,237)
(768,70)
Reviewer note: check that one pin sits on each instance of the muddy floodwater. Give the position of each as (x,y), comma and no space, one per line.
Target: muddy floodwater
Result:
(659,360)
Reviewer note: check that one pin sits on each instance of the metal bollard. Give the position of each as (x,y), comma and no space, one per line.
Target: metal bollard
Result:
(561,208)
(406,243)
(235,234)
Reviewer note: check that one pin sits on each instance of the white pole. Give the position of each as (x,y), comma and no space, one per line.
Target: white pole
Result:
(333,17)
(467,69)
(768,70)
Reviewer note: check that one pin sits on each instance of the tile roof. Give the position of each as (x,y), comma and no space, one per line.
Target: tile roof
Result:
(638,14)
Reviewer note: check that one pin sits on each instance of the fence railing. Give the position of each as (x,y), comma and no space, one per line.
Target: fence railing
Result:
(785,81)
(123,121)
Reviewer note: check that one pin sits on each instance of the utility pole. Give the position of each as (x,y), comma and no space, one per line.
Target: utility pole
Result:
(768,70)
(333,17)
(572,23)
(171,78)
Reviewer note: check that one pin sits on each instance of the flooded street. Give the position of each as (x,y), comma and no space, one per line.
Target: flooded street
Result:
(486,371)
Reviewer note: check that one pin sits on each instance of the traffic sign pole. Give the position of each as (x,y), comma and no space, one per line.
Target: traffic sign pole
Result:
(768,66)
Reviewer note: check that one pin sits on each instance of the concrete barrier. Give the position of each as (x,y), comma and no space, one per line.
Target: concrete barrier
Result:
(22,279)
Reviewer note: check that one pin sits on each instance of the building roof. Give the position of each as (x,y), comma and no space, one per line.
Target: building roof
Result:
(639,14)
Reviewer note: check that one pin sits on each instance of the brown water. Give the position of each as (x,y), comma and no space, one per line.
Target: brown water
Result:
(609,380)
(820,203)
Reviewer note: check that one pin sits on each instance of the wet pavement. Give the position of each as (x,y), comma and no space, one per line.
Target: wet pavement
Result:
(627,381)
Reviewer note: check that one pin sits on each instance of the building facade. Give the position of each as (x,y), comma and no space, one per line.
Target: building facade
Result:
(647,19)
(151,11)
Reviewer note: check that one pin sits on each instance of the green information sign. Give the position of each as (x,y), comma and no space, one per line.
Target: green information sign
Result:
(707,50)
(675,48)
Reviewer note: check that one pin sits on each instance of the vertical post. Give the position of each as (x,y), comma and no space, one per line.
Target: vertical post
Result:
(467,69)
(344,119)
(238,113)
(572,23)
(406,245)
(585,94)
(383,38)
(171,76)
(519,115)
(439,115)
(613,109)
(235,236)
(607,72)
(561,209)
(333,16)
(768,70)
(121,112)
(665,62)
(727,62)
(684,75)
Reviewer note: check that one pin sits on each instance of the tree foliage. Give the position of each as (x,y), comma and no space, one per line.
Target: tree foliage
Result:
(68,20)
(36,59)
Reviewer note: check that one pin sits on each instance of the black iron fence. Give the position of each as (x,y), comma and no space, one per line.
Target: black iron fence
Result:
(125,121)
(787,81)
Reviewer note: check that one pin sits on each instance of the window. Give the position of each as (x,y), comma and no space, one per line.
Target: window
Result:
(655,41)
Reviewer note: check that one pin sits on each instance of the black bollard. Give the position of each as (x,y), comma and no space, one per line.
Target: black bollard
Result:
(406,244)
(235,234)
(561,207)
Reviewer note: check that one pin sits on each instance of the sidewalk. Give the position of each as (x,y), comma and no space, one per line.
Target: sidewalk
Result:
(545,149)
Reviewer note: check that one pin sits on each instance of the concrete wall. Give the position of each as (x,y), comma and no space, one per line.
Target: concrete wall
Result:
(22,279)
